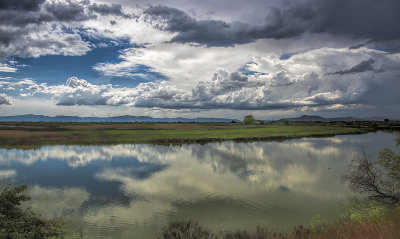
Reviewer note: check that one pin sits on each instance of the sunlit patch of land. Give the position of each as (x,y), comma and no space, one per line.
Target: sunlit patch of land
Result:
(31,135)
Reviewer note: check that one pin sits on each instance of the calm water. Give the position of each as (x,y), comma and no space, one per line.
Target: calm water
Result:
(133,191)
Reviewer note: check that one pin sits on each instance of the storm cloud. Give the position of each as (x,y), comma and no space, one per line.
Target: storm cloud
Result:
(362,67)
(27,5)
(363,19)
(105,9)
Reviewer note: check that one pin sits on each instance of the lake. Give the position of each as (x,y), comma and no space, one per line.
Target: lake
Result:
(133,191)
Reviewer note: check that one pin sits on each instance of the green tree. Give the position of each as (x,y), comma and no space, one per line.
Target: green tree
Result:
(249,119)
(18,223)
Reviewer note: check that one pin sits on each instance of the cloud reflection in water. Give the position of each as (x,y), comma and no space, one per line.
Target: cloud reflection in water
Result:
(225,185)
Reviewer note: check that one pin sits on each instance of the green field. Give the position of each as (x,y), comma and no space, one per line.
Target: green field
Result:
(31,135)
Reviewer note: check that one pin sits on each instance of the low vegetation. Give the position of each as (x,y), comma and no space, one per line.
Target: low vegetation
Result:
(361,220)
(31,135)
(19,224)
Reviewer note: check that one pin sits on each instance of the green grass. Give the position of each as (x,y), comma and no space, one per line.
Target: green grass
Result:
(33,136)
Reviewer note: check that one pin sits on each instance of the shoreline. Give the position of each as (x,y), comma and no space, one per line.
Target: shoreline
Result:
(35,135)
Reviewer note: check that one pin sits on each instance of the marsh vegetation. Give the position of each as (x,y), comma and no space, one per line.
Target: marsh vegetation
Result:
(31,135)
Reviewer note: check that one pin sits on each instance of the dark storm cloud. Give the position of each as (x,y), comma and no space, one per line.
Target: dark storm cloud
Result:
(207,32)
(22,13)
(68,11)
(105,9)
(361,67)
(364,19)
(26,5)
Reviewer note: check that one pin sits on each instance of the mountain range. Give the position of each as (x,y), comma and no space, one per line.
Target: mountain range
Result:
(129,118)
(124,118)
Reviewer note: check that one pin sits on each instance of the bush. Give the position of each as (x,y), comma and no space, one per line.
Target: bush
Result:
(18,223)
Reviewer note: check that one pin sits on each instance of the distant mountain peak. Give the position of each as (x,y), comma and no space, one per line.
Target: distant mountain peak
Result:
(311,118)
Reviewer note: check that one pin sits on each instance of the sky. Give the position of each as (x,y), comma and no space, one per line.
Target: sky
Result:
(189,58)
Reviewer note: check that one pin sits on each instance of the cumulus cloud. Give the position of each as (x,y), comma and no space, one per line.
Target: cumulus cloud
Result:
(304,79)
(34,28)
(5,99)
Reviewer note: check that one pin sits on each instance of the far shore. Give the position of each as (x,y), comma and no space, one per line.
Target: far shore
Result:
(34,134)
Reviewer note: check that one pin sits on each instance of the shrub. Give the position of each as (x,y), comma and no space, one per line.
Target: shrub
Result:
(18,223)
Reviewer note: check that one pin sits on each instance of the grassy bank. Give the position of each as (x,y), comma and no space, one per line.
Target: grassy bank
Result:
(30,135)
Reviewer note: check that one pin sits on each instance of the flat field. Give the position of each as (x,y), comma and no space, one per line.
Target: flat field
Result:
(31,135)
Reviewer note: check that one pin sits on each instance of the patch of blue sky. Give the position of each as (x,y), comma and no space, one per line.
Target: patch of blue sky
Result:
(286,56)
(137,75)
(245,71)
(56,69)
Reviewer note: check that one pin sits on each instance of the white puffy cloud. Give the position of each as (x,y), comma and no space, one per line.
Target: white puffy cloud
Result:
(7,68)
(5,99)
(318,78)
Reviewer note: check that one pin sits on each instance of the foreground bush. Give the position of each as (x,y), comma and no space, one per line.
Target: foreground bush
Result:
(18,223)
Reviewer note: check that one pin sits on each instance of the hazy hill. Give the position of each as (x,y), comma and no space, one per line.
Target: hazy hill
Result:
(313,118)
(124,118)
